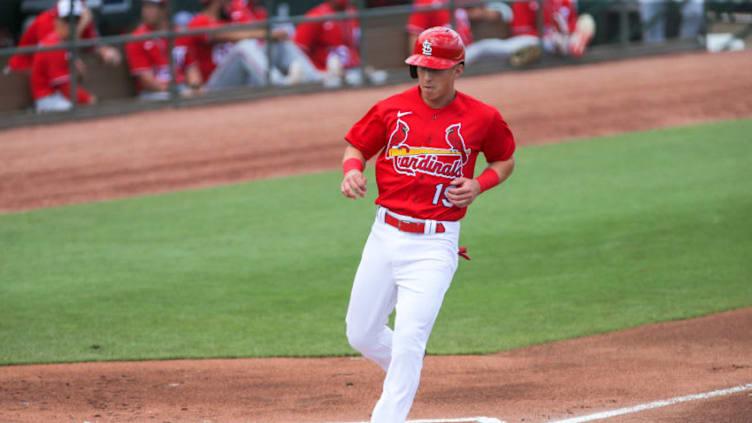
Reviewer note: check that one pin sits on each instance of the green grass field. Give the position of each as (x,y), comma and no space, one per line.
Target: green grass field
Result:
(587,236)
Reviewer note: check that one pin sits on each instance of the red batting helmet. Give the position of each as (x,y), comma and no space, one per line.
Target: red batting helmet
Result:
(437,48)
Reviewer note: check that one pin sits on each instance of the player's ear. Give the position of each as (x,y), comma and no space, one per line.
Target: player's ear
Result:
(459,69)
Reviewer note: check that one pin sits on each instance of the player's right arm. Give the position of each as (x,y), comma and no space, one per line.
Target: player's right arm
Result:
(366,138)
(353,182)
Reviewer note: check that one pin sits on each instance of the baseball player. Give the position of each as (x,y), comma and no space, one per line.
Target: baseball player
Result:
(427,140)
(332,45)
(564,32)
(44,24)
(50,78)
(149,60)
(238,57)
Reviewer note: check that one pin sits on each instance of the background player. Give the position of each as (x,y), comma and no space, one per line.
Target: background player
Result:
(44,24)
(332,45)
(149,60)
(428,139)
(238,57)
(50,76)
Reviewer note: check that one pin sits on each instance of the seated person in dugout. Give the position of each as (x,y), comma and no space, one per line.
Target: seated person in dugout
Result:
(44,24)
(564,33)
(149,60)
(238,57)
(334,45)
(50,77)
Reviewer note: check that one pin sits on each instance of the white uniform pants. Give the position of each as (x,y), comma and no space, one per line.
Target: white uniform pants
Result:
(496,48)
(412,272)
(246,65)
(692,19)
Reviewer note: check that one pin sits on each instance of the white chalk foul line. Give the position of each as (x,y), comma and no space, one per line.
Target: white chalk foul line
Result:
(460,420)
(656,404)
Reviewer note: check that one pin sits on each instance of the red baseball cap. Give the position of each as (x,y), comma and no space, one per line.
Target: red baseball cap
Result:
(437,48)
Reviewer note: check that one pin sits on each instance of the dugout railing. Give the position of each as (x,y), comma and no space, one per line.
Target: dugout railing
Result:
(382,44)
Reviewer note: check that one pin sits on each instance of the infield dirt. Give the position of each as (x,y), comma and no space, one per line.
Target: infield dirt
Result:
(177,149)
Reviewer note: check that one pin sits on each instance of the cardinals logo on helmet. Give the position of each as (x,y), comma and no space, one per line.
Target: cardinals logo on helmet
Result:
(442,162)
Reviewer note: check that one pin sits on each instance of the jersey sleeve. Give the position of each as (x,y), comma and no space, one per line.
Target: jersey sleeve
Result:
(305,35)
(138,61)
(20,62)
(368,135)
(499,144)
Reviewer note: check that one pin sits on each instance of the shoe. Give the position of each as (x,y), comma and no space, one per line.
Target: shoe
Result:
(525,56)
(375,76)
(583,33)
(276,77)
(295,74)
(334,71)
(354,77)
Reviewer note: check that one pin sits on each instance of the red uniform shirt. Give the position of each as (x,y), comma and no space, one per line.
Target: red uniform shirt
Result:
(423,149)
(150,56)
(40,28)
(198,48)
(420,21)
(319,39)
(525,21)
(49,72)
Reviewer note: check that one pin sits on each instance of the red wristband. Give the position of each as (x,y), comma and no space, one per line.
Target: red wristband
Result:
(350,164)
(488,179)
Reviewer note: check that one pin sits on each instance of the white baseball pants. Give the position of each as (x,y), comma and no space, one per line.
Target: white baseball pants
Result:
(409,272)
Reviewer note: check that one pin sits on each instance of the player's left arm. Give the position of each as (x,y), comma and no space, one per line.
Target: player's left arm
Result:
(466,190)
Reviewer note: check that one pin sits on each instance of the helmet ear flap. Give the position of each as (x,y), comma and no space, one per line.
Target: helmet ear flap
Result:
(413,72)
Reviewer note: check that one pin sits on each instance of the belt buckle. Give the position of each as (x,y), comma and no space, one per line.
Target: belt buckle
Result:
(399,224)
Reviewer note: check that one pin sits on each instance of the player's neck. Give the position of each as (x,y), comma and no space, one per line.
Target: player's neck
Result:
(440,102)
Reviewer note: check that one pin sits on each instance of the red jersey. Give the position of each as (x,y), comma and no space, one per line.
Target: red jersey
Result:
(49,72)
(525,21)
(319,39)
(40,28)
(150,56)
(424,149)
(420,21)
(198,48)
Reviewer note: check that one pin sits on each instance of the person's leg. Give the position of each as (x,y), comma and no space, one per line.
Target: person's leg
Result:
(245,65)
(230,73)
(489,48)
(372,299)
(291,60)
(653,13)
(423,276)
(692,19)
